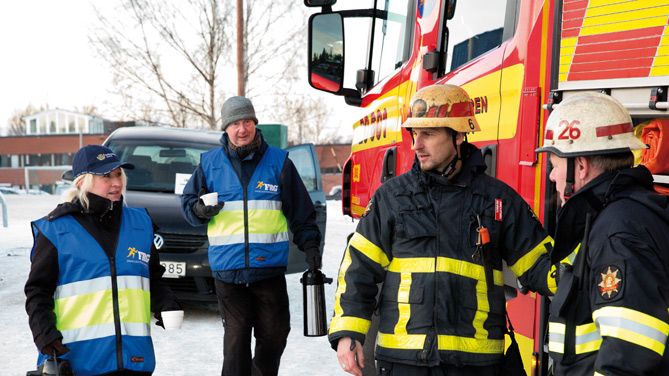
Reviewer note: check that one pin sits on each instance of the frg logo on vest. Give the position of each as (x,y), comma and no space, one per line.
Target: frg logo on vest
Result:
(142,257)
(266,187)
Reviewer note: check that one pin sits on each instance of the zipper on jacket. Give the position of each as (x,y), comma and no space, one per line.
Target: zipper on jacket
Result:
(431,337)
(117,317)
(244,184)
(246,229)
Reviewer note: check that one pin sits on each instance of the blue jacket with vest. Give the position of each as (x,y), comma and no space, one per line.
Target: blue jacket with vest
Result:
(102,303)
(264,196)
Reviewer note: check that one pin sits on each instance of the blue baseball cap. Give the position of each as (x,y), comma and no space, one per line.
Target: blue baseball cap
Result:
(96,160)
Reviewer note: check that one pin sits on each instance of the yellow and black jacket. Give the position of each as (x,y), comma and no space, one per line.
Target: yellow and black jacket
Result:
(609,316)
(442,299)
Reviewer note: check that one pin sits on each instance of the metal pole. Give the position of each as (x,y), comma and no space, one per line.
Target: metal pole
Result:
(3,203)
(26,178)
(241,89)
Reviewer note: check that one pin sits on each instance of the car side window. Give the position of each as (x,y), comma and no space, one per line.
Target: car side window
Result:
(303,160)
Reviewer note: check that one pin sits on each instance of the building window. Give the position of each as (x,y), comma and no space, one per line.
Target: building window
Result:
(41,125)
(95,125)
(330,170)
(62,123)
(82,125)
(52,127)
(33,126)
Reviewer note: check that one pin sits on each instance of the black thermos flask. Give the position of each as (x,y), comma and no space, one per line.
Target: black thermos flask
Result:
(313,303)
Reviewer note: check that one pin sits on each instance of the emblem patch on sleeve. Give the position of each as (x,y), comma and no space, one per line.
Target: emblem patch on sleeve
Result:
(368,208)
(611,282)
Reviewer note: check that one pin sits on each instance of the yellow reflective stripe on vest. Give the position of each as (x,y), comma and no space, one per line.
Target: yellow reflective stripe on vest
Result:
(530,258)
(587,338)
(252,205)
(444,264)
(83,304)
(632,326)
(369,249)
(104,330)
(266,223)
(445,343)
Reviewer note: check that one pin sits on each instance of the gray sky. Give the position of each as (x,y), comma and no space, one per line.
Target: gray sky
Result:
(46,57)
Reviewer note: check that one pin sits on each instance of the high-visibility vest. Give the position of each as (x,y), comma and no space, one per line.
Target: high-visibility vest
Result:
(102,304)
(251,230)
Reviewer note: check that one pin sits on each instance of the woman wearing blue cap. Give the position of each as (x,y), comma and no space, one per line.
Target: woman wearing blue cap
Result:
(95,276)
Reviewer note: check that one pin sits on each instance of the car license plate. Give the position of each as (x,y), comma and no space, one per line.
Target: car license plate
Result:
(174,269)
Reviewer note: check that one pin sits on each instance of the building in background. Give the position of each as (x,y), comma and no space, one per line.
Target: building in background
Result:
(37,159)
(332,158)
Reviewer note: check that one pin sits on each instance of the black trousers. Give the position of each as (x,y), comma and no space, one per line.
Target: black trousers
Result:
(261,307)
(398,369)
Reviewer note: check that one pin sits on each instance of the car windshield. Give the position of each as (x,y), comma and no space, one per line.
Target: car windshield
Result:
(159,167)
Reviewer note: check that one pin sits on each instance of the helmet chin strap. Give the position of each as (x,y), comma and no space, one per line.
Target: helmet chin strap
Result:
(569,187)
(450,167)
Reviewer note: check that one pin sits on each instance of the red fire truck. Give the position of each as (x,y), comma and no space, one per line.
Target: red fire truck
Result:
(517,59)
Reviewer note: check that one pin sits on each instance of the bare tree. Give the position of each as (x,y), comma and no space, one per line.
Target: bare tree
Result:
(16,124)
(149,44)
(89,109)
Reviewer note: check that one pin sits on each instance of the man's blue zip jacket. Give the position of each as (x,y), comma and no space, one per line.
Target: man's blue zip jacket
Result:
(296,206)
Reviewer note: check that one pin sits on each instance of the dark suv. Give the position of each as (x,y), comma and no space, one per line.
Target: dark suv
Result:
(164,158)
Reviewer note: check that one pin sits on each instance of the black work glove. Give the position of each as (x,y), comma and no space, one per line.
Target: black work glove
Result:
(313,254)
(159,319)
(55,346)
(206,211)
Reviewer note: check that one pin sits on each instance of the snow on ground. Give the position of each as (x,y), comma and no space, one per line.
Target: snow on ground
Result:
(196,349)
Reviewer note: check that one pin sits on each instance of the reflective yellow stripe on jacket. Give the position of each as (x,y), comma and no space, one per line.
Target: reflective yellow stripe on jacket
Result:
(85,309)
(632,326)
(370,250)
(400,339)
(266,221)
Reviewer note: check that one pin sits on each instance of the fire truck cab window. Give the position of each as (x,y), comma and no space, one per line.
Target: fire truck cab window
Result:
(476,28)
(389,38)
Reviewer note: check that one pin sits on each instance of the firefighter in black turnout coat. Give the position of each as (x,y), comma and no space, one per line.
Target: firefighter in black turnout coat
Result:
(609,316)
(436,237)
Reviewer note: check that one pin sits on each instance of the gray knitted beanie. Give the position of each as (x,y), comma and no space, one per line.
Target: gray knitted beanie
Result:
(237,108)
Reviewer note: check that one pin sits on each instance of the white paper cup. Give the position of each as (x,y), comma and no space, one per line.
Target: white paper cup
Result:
(172,319)
(210,199)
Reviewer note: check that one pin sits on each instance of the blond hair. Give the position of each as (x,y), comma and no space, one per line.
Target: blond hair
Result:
(82,185)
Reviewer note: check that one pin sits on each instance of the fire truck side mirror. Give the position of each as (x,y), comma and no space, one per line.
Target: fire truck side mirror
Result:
(319,3)
(326,52)
(450,10)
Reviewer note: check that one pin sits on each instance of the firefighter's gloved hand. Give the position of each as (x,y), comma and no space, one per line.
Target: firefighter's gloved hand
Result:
(55,346)
(206,211)
(313,254)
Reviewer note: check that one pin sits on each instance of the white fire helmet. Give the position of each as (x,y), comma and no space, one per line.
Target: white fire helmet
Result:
(589,124)
(442,106)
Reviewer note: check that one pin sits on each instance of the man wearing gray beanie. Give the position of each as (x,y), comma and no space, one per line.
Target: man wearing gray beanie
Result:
(260,197)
